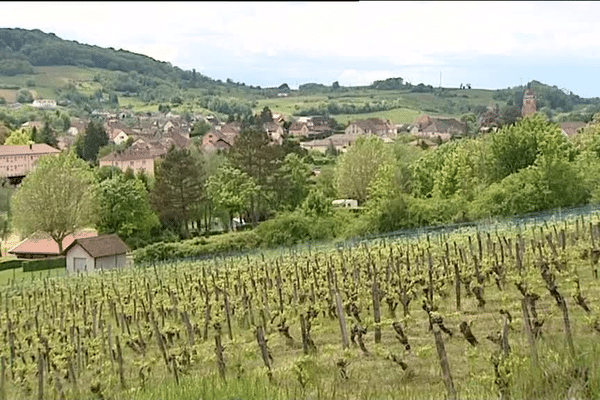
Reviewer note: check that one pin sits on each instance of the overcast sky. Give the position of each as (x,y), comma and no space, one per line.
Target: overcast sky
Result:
(487,44)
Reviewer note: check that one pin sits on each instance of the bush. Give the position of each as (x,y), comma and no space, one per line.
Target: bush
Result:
(197,247)
(43,264)
(290,228)
(10,264)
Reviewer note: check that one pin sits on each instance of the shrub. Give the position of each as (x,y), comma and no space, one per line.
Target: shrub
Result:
(10,264)
(43,264)
(196,247)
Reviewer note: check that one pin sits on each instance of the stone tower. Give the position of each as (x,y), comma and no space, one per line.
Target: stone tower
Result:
(529,104)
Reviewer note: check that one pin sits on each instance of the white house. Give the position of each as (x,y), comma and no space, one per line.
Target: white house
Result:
(44,103)
(96,254)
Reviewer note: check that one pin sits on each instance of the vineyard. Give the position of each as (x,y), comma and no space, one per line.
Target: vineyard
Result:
(511,313)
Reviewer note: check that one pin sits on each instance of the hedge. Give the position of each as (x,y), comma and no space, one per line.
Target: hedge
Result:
(44,263)
(197,247)
(10,264)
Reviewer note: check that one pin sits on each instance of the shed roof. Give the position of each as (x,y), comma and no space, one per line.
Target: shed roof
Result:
(101,246)
(41,243)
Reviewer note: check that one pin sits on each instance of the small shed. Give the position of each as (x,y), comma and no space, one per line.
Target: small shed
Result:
(96,254)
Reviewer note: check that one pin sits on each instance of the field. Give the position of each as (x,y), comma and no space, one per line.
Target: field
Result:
(425,317)
(412,104)
(45,80)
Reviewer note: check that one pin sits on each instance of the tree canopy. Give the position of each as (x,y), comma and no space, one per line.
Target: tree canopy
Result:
(358,166)
(91,141)
(125,209)
(178,189)
(58,197)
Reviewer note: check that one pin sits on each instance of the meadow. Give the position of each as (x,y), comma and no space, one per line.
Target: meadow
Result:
(489,312)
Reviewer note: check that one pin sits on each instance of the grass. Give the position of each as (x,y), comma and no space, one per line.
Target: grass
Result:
(18,276)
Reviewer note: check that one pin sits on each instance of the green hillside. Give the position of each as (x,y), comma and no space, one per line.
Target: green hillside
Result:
(33,66)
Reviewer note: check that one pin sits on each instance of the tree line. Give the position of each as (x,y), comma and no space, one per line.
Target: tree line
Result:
(524,167)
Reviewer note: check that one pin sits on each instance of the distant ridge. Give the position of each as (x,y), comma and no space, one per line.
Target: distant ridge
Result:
(21,49)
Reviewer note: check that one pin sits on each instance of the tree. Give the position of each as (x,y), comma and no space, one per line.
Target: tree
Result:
(509,115)
(293,176)
(19,137)
(518,146)
(254,154)
(231,189)
(125,209)
(92,140)
(24,96)
(264,117)
(178,188)
(57,197)
(359,165)
(47,136)
(200,128)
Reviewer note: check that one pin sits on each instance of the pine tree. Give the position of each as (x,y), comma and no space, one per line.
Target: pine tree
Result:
(47,136)
(94,138)
(179,188)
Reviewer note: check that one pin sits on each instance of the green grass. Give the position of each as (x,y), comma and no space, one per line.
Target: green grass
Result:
(18,276)
(397,116)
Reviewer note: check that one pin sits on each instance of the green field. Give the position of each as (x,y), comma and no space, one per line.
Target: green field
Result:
(150,332)
(449,102)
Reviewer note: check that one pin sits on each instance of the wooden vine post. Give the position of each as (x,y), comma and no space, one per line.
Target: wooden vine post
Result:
(338,307)
(40,374)
(264,351)
(219,352)
(376,306)
(529,333)
(441,350)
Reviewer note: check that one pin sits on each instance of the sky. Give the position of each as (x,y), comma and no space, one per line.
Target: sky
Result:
(491,45)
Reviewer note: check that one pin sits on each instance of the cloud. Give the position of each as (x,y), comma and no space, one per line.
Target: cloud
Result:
(409,39)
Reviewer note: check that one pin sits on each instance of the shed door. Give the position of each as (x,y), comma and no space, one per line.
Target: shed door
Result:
(79,264)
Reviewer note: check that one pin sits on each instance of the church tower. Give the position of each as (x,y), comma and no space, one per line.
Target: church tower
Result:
(529,104)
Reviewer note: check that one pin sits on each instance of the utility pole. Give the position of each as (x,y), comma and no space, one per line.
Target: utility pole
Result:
(440,78)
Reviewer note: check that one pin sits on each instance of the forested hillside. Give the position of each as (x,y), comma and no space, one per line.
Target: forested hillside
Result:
(21,50)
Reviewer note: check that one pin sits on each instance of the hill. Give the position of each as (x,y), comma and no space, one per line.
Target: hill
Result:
(21,50)
(35,64)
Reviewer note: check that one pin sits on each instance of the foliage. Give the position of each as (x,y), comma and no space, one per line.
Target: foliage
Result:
(359,165)
(200,128)
(518,146)
(198,247)
(290,228)
(388,84)
(47,136)
(332,107)
(316,204)
(37,48)
(253,154)
(293,176)
(10,264)
(58,197)
(24,96)
(231,189)
(11,67)
(19,137)
(44,264)
(178,188)
(125,210)
(89,143)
